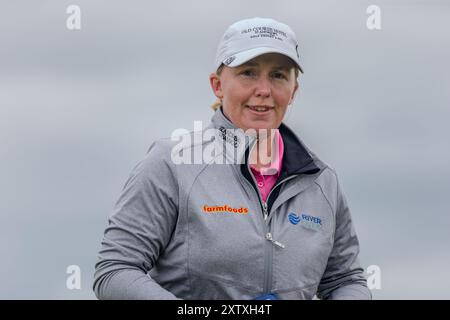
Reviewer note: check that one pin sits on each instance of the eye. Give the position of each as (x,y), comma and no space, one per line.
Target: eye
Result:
(248,73)
(279,75)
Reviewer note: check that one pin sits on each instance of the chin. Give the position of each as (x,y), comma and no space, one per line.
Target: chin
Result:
(260,125)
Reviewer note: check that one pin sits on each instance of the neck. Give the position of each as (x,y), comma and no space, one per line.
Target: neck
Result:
(262,152)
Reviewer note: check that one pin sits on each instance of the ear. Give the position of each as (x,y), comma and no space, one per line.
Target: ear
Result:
(216,85)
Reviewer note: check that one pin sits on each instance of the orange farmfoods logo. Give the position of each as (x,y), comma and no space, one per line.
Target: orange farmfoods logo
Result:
(225,209)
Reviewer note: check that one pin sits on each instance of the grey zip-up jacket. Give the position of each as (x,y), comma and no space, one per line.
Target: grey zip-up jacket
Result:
(201,231)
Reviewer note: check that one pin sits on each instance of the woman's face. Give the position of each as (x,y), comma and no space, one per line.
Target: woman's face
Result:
(255,95)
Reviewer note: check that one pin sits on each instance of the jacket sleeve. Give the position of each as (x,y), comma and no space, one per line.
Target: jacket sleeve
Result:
(343,277)
(138,229)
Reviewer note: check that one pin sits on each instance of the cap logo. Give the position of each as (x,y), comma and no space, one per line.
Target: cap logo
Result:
(229,60)
(265,32)
(296,49)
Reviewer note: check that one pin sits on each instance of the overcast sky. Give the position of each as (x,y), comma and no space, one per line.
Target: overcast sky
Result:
(78,109)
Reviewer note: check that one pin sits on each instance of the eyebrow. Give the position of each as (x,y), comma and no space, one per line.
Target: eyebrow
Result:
(254,64)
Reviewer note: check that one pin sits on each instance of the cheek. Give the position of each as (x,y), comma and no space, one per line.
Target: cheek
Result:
(282,98)
(237,95)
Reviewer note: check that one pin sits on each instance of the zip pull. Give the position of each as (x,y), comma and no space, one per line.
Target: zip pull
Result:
(279,244)
(266,215)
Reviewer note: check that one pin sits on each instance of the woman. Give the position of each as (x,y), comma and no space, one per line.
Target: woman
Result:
(271,224)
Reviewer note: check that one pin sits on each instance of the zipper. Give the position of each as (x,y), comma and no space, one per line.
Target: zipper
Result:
(275,242)
(268,259)
(266,214)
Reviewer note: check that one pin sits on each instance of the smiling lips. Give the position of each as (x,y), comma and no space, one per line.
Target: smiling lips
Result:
(260,109)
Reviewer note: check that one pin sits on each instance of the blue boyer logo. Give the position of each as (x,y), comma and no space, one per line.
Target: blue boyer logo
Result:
(306,220)
(293,218)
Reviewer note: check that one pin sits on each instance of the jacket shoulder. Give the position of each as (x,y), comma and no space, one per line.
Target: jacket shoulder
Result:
(329,184)
(156,162)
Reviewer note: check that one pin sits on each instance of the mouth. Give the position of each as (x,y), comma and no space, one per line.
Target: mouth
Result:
(260,109)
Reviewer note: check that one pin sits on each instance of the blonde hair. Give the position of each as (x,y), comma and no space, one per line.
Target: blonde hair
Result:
(216,105)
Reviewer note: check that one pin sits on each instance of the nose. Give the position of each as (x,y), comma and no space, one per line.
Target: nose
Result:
(263,87)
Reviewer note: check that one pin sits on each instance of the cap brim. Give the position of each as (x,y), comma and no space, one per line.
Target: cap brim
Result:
(244,56)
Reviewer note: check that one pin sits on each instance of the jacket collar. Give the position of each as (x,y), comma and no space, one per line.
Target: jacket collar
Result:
(296,158)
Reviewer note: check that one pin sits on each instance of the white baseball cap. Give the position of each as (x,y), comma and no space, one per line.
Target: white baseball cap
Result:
(249,38)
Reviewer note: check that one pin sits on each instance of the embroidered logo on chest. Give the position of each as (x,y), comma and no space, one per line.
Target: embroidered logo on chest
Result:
(305,220)
(224,209)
